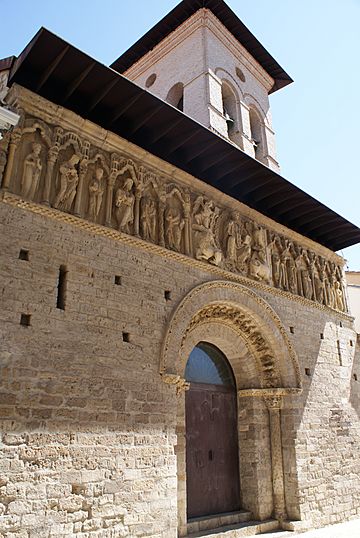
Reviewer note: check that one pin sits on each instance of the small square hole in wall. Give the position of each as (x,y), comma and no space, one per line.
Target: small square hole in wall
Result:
(117,280)
(321,336)
(167,295)
(292,330)
(126,337)
(355,377)
(25,320)
(24,255)
(308,372)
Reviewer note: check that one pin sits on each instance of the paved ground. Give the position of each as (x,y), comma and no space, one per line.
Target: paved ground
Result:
(350,529)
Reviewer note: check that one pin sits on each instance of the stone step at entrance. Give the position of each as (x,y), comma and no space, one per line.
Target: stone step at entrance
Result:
(215,521)
(247,528)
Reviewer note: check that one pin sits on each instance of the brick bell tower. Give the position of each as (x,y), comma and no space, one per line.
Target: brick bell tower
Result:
(212,68)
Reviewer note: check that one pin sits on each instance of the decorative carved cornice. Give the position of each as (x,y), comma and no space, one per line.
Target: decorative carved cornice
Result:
(57,166)
(39,209)
(268,392)
(42,109)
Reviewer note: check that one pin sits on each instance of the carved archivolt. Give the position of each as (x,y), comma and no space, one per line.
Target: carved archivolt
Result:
(247,328)
(249,316)
(61,169)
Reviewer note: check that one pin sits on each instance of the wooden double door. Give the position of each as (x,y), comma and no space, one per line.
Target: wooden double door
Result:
(212,460)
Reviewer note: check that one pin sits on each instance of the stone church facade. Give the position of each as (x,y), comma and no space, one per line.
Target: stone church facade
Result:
(115,265)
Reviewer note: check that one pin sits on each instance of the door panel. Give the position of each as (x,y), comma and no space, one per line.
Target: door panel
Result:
(212,469)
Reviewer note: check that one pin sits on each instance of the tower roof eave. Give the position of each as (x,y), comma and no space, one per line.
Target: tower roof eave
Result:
(57,71)
(226,16)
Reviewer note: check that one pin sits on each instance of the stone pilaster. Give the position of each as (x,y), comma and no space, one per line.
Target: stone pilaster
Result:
(274,405)
(14,141)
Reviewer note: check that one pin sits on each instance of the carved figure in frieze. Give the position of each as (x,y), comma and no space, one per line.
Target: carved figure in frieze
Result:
(205,216)
(329,280)
(69,179)
(340,278)
(96,192)
(319,281)
(244,252)
(124,206)
(332,294)
(312,273)
(259,270)
(259,267)
(307,286)
(274,252)
(320,288)
(231,242)
(327,286)
(259,243)
(292,271)
(304,280)
(148,219)
(339,297)
(31,172)
(283,273)
(174,228)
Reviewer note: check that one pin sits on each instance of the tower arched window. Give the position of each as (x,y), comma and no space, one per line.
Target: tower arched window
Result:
(175,96)
(256,133)
(230,111)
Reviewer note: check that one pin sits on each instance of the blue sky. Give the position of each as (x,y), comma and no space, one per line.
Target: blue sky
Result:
(316,119)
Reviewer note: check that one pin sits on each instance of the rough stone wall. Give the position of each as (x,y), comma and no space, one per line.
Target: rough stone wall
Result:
(88,427)
(353,290)
(321,427)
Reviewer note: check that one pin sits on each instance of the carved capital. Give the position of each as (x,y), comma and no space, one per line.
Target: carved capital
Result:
(273,402)
(181,384)
(53,154)
(15,137)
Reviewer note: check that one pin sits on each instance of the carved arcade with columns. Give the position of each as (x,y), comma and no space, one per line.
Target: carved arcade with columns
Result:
(48,164)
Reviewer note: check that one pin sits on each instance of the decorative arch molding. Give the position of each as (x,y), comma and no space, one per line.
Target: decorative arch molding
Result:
(254,104)
(227,77)
(33,125)
(246,314)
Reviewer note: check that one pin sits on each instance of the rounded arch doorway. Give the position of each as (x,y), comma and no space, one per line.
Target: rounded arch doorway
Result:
(212,461)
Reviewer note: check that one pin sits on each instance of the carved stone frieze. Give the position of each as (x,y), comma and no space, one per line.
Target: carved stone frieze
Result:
(49,164)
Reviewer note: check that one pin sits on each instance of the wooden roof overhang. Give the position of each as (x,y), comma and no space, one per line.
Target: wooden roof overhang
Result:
(226,16)
(7,63)
(64,75)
